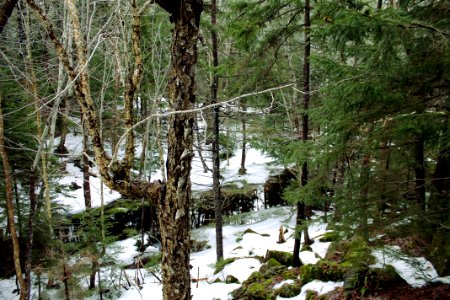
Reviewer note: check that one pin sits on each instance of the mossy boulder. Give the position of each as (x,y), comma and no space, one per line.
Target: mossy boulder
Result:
(323,270)
(292,273)
(284,258)
(306,248)
(259,291)
(289,290)
(259,285)
(231,279)
(439,253)
(311,295)
(255,287)
(353,253)
(329,236)
(371,280)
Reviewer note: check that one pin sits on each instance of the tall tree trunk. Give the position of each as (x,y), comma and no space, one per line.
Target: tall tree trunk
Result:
(215,142)
(31,217)
(88,201)
(306,99)
(301,209)
(379,4)
(242,169)
(174,210)
(10,207)
(85,165)
(365,175)
(66,277)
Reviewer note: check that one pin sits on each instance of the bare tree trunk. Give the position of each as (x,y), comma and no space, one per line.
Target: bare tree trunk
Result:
(66,277)
(31,217)
(10,208)
(242,169)
(215,142)
(306,99)
(85,165)
(365,175)
(174,211)
(301,209)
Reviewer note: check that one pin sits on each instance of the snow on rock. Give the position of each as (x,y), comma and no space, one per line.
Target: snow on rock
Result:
(416,271)
(308,257)
(280,284)
(241,269)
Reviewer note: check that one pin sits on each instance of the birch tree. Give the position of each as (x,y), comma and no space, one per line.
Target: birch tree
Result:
(174,198)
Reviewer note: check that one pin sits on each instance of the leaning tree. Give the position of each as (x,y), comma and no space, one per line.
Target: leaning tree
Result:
(173,198)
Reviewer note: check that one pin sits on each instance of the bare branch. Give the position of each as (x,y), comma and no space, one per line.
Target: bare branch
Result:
(195,110)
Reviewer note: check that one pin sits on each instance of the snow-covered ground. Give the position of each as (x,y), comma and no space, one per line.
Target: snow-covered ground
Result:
(256,164)
(243,247)
(266,224)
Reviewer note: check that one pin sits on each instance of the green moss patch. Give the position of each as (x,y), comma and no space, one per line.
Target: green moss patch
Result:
(329,236)
(323,270)
(260,284)
(222,263)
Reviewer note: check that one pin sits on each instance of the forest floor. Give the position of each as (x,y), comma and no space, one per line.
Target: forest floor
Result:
(247,238)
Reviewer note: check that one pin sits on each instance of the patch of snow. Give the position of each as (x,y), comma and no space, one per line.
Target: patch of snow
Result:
(240,268)
(124,251)
(308,257)
(280,284)
(416,271)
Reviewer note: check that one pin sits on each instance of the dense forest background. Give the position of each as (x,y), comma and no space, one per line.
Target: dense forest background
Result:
(351,96)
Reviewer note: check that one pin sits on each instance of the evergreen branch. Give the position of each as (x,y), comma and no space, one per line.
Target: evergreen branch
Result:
(428,26)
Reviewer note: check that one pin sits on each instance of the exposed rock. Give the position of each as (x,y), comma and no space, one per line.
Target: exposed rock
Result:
(231,279)
(284,258)
(274,187)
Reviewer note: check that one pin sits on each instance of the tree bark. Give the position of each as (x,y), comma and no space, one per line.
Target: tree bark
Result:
(215,142)
(301,208)
(31,217)
(10,208)
(242,169)
(379,4)
(5,12)
(174,210)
